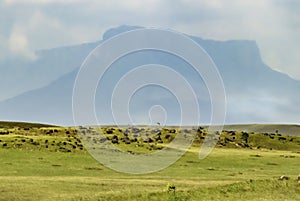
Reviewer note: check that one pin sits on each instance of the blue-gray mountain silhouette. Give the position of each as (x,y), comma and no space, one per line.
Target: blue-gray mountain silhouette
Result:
(255,92)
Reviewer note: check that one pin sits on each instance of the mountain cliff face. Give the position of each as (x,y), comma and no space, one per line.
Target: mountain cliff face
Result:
(51,64)
(255,92)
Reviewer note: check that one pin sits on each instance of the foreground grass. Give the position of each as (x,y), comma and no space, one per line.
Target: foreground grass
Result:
(39,162)
(227,174)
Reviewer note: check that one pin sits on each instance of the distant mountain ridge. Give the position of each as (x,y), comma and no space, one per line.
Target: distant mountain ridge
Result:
(255,92)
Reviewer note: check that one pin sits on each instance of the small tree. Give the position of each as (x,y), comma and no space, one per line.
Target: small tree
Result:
(171,188)
(245,137)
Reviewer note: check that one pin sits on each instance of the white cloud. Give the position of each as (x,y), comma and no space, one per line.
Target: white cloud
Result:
(18,45)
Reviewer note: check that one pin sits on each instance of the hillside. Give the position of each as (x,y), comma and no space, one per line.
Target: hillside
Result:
(139,139)
(284,129)
(51,163)
(8,124)
(255,92)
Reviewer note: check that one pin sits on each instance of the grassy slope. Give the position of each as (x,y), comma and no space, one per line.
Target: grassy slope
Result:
(76,176)
(8,124)
(32,172)
(285,129)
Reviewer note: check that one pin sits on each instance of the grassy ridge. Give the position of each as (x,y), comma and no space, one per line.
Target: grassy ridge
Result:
(134,139)
(8,124)
(284,129)
(50,163)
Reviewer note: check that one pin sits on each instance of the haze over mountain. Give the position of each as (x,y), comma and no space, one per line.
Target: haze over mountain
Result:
(255,93)
(23,75)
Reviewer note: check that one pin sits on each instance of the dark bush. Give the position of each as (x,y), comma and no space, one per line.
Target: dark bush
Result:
(35,143)
(158,138)
(4,132)
(115,141)
(134,140)
(282,138)
(245,136)
(148,140)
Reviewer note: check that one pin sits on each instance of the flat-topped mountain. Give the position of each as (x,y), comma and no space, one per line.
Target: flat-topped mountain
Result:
(255,92)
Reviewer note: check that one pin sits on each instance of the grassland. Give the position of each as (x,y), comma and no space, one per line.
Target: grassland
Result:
(284,129)
(50,163)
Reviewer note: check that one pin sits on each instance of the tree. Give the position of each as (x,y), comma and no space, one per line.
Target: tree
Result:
(245,137)
(171,188)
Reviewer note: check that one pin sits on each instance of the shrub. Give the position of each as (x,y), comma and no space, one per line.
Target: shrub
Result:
(171,188)
(115,141)
(245,137)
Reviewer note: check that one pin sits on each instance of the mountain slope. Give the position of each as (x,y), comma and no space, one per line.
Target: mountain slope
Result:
(255,92)
(22,76)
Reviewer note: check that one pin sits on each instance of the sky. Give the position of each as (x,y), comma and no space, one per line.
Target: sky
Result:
(29,25)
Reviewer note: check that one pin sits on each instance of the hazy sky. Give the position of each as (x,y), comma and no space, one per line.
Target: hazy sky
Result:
(29,25)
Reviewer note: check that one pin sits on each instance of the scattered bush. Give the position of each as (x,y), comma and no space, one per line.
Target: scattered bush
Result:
(171,188)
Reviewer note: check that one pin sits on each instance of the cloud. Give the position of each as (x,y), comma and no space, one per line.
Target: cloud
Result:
(18,45)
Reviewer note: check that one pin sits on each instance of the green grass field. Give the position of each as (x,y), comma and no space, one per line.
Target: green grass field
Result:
(49,163)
